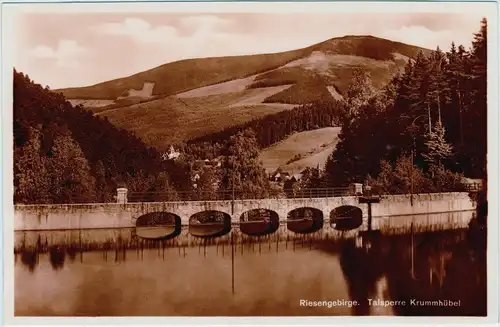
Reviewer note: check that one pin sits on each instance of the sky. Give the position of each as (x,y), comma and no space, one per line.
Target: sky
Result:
(79,49)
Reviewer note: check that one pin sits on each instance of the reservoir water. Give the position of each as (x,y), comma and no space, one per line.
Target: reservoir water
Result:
(114,273)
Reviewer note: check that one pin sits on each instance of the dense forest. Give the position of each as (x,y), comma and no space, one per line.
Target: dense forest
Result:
(425,130)
(270,129)
(64,154)
(434,116)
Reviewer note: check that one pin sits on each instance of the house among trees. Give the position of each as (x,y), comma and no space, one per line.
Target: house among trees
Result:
(171,154)
(212,163)
(195,178)
(279,176)
(296,177)
(275,177)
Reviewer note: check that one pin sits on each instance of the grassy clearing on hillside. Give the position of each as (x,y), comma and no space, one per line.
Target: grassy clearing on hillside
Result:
(257,96)
(171,120)
(121,103)
(316,89)
(282,76)
(317,61)
(380,76)
(91,103)
(334,92)
(309,91)
(184,75)
(314,147)
(315,76)
(313,161)
(237,85)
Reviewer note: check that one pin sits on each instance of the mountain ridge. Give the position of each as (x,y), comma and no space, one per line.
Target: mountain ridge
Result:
(189,74)
(190,99)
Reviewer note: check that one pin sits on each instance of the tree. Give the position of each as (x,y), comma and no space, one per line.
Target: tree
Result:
(163,189)
(479,57)
(31,179)
(476,116)
(446,181)
(140,185)
(438,149)
(208,184)
(311,178)
(71,177)
(243,172)
(400,178)
(418,91)
(359,92)
(456,77)
(372,134)
(438,86)
(99,172)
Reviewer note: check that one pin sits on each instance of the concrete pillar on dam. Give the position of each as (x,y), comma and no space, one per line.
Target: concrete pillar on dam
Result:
(121,195)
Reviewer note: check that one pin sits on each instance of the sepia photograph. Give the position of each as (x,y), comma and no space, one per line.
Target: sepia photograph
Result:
(250,159)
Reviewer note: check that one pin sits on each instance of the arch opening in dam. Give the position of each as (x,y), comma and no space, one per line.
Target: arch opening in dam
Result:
(209,223)
(346,218)
(259,222)
(158,225)
(304,220)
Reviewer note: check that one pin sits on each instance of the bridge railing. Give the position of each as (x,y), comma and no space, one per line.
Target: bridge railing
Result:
(198,195)
(473,187)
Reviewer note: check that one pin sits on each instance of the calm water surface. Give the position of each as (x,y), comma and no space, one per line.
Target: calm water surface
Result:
(253,276)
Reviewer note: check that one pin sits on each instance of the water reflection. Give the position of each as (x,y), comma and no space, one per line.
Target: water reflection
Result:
(57,257)
(30,259)
(209,223)
(71,254)
(269,274)
(305,220)
(158,225)
(259,222)
(346,217)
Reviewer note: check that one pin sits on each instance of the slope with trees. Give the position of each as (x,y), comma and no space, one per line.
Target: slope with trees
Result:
(64,154)
(435,111)
(269,129)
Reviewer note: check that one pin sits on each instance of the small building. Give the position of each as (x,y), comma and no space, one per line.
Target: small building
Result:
(194,180)
(171,154)
(212,163)
(195,177)
(279,176)
(296,177)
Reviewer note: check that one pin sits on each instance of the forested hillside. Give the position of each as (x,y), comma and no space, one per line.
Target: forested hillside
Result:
(270,129)
(65,154)
(188,99)
(436,110)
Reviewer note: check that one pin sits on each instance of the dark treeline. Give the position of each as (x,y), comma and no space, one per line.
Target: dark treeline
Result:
(436,111)
(270,129)
(65,154)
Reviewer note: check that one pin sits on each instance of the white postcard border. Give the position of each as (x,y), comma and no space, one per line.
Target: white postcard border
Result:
(9,12)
